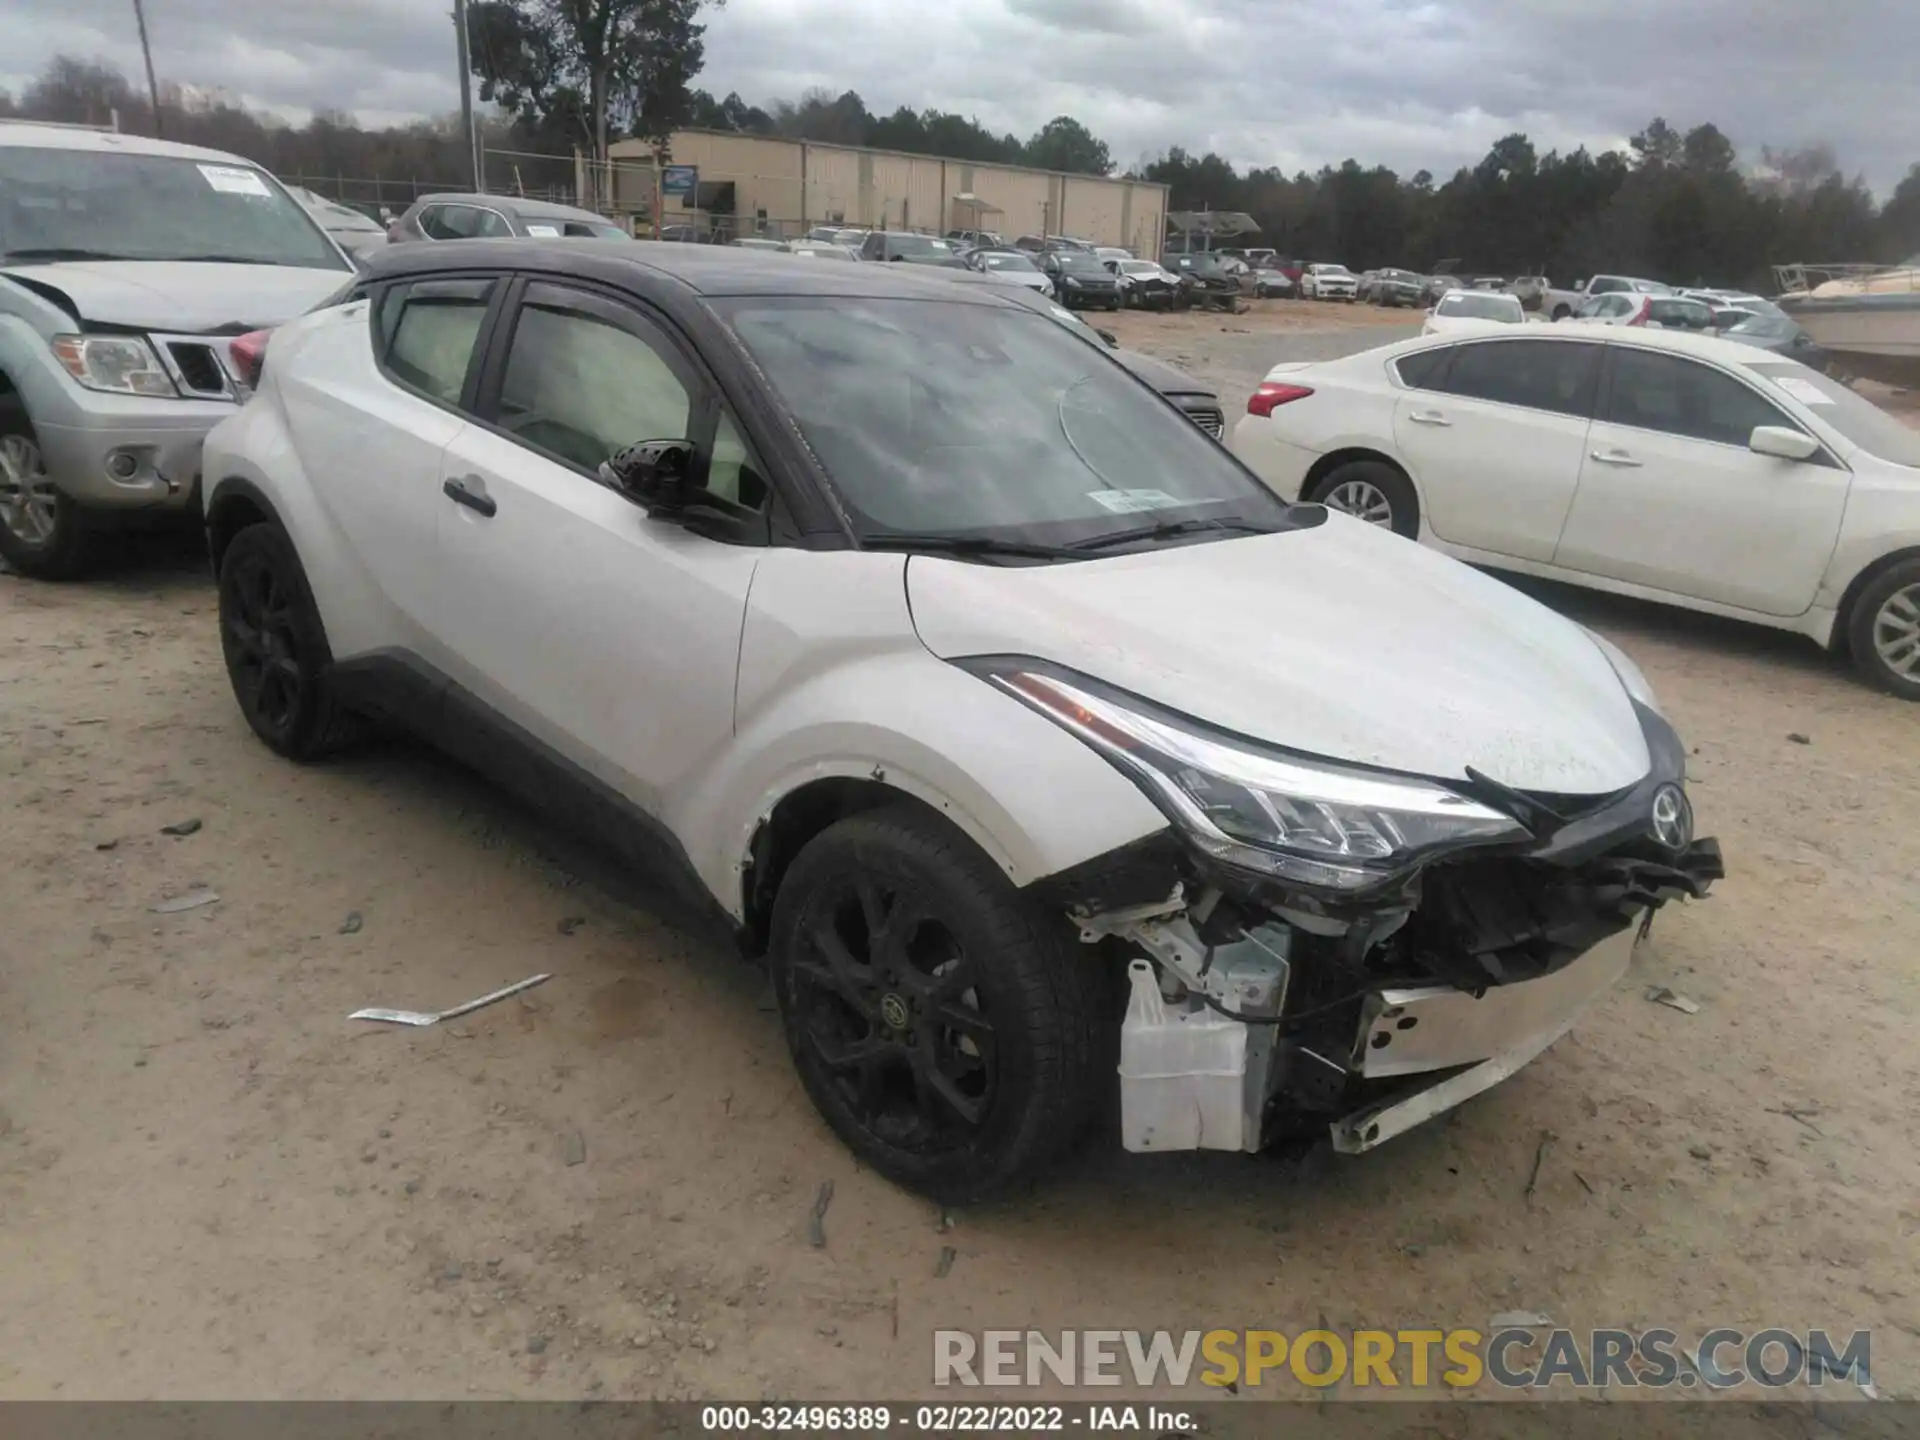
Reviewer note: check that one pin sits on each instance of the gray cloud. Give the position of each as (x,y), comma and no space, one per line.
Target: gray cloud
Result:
(1299,83)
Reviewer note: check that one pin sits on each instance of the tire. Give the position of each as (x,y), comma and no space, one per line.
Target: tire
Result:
(43,534)
(276,649)
(1386,483)
(1883,630)
(1561,312)
(911,1099)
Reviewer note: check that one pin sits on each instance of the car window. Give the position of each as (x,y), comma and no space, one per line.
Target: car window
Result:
(1423,368)
(733,474)
(432,326)
(1669,393)
(581,387)
(1605,285)
(1538,374)
(118,206)
(437,221)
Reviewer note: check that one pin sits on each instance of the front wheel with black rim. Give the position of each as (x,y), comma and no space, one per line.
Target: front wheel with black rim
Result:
(944,1025)
(1883,630)
(42,532)
(276,648)
(1373,491)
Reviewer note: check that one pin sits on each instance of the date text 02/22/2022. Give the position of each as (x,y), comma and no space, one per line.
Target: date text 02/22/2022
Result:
(942,1419)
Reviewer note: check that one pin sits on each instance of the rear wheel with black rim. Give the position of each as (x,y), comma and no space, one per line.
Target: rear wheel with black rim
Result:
(42,532)
(276,648)
(1883,630)
(1373,491)
(944,1025)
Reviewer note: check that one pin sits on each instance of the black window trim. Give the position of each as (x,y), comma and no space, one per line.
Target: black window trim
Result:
(1603,403)
(449,283)
(707,399)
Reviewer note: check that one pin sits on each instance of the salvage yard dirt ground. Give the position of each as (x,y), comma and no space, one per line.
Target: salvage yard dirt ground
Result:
(213,1184)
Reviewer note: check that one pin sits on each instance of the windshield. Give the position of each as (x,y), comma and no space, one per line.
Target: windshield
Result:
(1765,327)
(1077,263)
(1860,420)
(917,245)
(932,417)
(1478,305)
(1331,270)
(1139,267)
(1007,262)
(101,206)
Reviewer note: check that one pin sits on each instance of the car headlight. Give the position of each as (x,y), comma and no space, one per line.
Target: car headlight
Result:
(1315,822)
(1631,679)
(118,364)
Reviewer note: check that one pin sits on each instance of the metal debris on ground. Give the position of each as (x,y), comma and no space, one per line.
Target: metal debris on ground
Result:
(944,1265)
(1797,738)
(1661,995)
(576,1149)
(351,925)
(107,845)
(1585,1184)
(192,900)
(817,1217)
(433,1017)
(181,827)
(1520,1320)
(1801,1116)
(1539,1158)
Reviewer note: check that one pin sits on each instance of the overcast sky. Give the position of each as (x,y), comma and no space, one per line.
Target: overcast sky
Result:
(1299,83)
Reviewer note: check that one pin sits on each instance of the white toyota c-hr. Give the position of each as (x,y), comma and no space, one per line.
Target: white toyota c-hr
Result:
(1005,714)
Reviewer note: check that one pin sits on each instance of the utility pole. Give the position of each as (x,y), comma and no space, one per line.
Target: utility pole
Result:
(146,50)
(466,96)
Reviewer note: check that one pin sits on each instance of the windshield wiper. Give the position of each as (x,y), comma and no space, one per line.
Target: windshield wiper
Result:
(1167,529)
(58,252)
(968,545)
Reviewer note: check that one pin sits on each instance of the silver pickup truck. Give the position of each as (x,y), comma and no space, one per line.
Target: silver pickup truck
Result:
(128,267)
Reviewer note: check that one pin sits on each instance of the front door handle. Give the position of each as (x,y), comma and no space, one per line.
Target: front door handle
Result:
(1429,417)
(1615,457)
(470,491)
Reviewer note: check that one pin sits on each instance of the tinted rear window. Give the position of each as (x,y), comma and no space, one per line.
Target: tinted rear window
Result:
(1423,369)
(1539,374)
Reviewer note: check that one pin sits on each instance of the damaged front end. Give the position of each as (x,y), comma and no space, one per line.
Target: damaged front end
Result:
(1315,946)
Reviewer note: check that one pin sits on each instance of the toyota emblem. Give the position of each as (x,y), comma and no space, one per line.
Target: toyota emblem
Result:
(1672,817)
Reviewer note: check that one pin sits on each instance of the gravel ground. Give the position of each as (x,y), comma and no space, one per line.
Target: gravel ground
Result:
(214,1184)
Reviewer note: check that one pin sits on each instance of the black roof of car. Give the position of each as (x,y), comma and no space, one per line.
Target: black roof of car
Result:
(706,270)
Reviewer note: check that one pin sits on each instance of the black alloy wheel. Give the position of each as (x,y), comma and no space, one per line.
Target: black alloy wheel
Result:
(942,1025)
(275,648)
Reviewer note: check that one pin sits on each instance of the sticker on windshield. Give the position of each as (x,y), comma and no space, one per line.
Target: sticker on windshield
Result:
(1129,502)
(235,180)
(545,232)
(1805,391)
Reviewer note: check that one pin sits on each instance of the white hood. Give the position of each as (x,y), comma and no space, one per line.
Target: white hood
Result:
(184,296)
(1342,641)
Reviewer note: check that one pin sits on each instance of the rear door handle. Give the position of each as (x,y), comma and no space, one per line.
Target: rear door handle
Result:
(1429,417)
(470,491)
(1615,457)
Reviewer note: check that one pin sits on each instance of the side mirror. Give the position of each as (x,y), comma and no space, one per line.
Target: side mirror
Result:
(1782,443)
(1113,341)
(653,472)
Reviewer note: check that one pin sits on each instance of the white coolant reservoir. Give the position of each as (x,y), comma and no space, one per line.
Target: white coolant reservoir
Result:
(1182,1072)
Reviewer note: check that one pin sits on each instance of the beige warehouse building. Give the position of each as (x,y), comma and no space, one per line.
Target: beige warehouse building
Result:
(754,184)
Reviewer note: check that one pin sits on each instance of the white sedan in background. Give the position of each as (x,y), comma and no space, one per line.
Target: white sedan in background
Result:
(1469,309)
(1647,462)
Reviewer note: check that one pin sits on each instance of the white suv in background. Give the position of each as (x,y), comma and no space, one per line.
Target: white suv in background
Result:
(1328,282)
